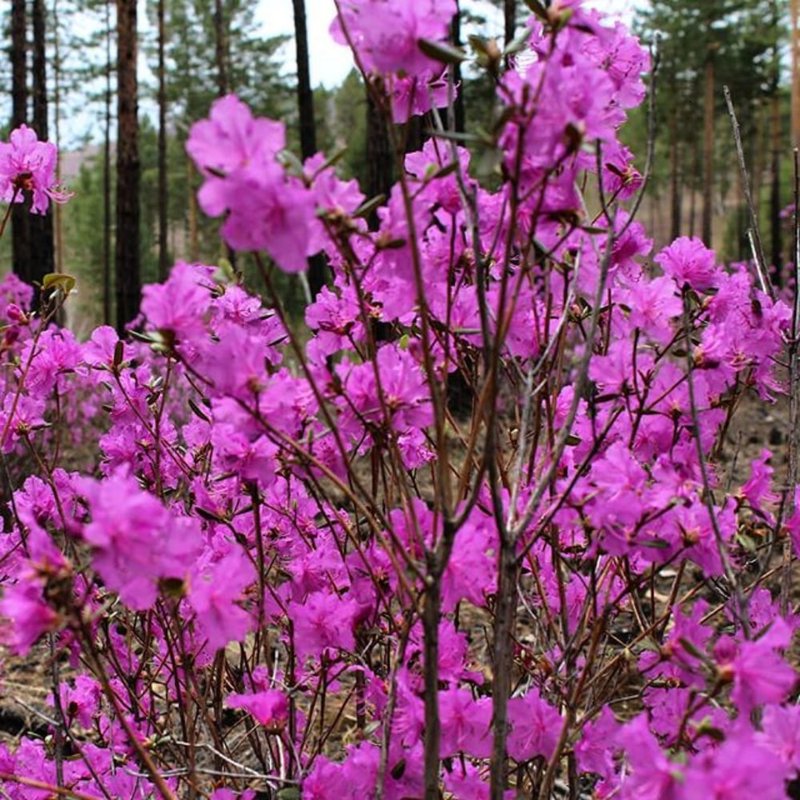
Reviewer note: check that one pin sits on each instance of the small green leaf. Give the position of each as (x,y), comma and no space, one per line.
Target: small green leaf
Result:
(537,8)
(441,51)
(60,281)
(368,206)
(197,410)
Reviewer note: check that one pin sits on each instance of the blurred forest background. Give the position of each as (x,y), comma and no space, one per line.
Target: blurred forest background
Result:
(89,74)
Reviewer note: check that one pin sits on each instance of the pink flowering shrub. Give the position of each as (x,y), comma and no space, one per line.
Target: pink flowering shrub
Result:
(295,571)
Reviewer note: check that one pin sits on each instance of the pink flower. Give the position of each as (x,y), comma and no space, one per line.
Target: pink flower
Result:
(386,33)
(214,594)
(535,727)
(129,533)
(28,165)
(689,261)
(269,708)
(740,769)
(466,724)
(179,305)
(760,675)
(267,209)
(24,605)
(324,622)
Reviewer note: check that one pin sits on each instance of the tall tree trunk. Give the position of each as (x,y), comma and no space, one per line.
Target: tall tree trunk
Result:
(128,167)
(675,178)
(163,252)
(379,156)
(776,147)
(194,242)
(57,210)
(107,177)
(693,193)
(221,49)
(509,23)
(20,218)
(795,45)
(223,87)
(42,245)
(317,268)
(708,152)
(459,113)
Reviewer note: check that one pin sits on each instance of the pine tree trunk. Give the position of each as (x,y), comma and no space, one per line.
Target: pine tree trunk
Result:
(379,156)
(42,244)
(509,23)
(194,245)
(693,193)
(775,163)
(317,268)
(128,167)
(20,217)
(220,49)
(795,45)
(459,113)
(675,178)
(57,210)
(708,152)
(163,252)
(107,177)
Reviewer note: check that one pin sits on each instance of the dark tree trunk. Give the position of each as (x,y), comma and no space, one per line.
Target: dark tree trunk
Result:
(223,87)
(163,251)
(42,246)
(459,113)
(675,179)
(107,177)
(20,217)
(57,210)
(509,23)
(317,268)
(708,152)
(777,146)
(379,156)
(220,49)
(128,167)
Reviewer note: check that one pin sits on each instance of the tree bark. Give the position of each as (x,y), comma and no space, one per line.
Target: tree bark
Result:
(459,112)
(128,167)
(509,23)
(20,218)
(708,152)
(107,177)
(379,156)
(775,165)
(57,210)
(795,45)
(220,49)
(41,225)
(317,268)
(163,251)
(676,187)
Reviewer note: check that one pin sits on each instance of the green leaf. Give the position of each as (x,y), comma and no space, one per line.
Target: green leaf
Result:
(368,206)
(197,410)
(60,281)
(441,51)
(537,8)
(518,43)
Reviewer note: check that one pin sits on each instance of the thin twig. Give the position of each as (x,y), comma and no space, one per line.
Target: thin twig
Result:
(754,234)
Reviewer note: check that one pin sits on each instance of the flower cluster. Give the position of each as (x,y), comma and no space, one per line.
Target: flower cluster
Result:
(470,533)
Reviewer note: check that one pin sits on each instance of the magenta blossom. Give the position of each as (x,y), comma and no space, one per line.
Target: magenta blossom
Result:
(28,166)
